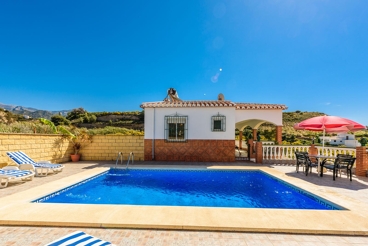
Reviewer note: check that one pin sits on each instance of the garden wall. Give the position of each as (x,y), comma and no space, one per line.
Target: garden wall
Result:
(53,148)
(106,147)
(57,149)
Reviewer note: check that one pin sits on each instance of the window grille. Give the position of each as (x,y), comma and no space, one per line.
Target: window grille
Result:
(218,123)
(176,128)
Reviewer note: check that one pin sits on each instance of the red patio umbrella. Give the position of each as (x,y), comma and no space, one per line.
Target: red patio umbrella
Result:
(331,124)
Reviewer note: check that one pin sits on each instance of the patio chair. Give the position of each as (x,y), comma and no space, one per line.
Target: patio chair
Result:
(342,162)
(42,168)
(12,174)
(309,164)
(347,165)
(79,238)
(300,160)
(340,169)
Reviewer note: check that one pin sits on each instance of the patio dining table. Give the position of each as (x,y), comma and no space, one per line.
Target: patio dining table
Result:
(321,158)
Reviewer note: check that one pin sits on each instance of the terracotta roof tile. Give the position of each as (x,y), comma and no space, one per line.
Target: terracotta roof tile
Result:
(240,106)
(186,104)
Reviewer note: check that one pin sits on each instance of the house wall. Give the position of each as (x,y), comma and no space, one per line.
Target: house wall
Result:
(57,149)
(199,122)
(202,143)
(341,139)
(351,143)
(273,115)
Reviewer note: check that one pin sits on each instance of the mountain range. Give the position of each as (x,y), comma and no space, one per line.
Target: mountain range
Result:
(32,112)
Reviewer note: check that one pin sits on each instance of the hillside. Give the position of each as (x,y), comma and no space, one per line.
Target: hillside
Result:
(291,118)
(32,112)
(130,120)
(8,117)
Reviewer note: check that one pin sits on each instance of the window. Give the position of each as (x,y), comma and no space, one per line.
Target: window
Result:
(218,123)
(176,128)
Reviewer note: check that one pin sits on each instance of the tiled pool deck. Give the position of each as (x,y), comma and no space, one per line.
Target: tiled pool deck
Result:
(353,195)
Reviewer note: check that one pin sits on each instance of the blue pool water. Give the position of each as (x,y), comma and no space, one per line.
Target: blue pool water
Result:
(205,188)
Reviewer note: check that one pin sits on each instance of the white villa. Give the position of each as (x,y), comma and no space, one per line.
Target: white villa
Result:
(342,139)
(177,130)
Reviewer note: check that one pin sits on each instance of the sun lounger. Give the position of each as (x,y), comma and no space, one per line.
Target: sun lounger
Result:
(79,238)
(42,168)
(11,175)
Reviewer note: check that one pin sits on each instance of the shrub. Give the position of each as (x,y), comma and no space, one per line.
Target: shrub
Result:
(26,127)
(115,130)
(60,120)
(36,127)
(76,114)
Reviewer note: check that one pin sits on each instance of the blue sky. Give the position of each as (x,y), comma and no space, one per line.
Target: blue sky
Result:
(114,55)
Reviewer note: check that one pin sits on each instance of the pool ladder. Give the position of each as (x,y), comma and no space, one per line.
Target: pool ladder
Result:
(120,157)
(131,156)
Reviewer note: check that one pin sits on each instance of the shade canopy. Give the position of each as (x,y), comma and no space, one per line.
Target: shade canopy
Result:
(331,124)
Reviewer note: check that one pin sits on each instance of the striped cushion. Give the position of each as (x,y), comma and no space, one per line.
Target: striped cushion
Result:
(14,173)
(21,158)
(79,238)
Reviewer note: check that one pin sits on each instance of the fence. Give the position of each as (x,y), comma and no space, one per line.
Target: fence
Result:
(285,153)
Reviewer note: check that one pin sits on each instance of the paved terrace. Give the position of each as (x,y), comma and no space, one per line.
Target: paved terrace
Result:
(28,235)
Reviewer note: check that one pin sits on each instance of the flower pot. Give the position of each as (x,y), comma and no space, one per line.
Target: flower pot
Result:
(75,158)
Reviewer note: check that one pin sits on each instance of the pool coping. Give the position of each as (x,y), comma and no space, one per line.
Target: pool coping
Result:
(17,209)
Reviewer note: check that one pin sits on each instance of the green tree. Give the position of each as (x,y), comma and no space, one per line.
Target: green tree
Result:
(76,114)
(60,120)
(248,133)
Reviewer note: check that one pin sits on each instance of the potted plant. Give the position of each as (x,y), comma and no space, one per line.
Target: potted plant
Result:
(79,139)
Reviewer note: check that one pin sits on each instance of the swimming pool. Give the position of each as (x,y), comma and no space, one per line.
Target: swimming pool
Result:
(204,188)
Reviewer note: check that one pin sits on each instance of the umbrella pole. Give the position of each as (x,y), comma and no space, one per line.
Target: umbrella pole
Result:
(323,151)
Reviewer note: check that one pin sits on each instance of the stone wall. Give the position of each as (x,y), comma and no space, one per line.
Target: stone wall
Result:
(57,149)
(106,147)
(53,148)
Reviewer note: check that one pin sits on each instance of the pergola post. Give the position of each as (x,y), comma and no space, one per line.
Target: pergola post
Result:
(259,153)
(278,135)
(361,161)
(251,150)
(255,134)
(240,139)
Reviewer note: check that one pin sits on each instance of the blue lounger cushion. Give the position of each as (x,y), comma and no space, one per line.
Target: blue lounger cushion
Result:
(9,175)
(79,238)
(42,168)
(21,158)
(15,173)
